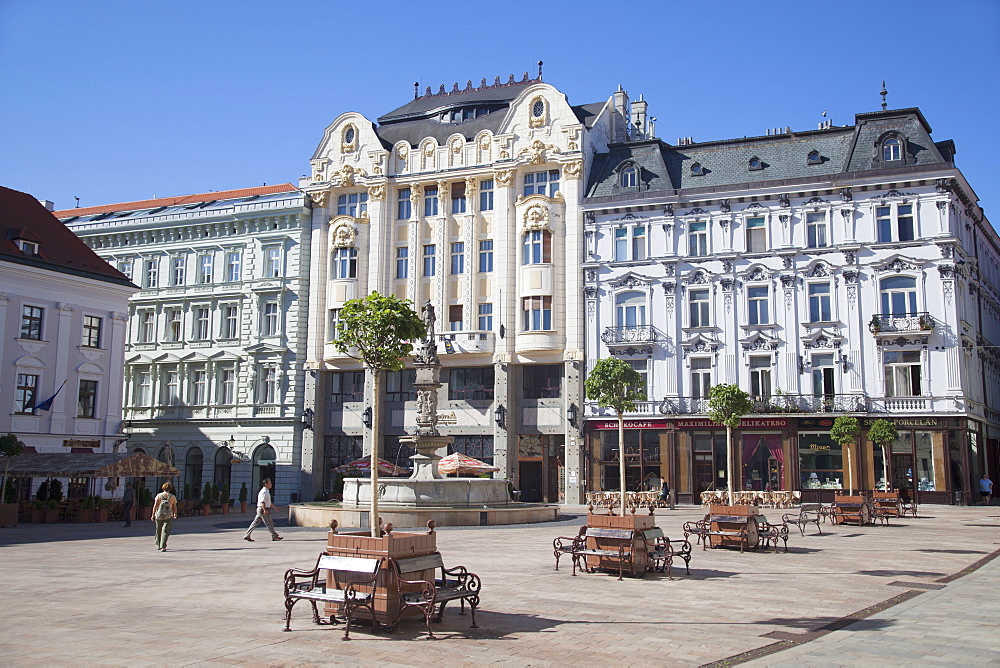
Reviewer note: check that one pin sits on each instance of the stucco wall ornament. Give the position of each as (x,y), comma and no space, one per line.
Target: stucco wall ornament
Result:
(349,140)
(536,218)
(504,177)
(320,198)
(538,113)
(630,281)
(344,235)
(376,192)
(538,151)
(819,270)
(897,265)
(348,175)
(573,170)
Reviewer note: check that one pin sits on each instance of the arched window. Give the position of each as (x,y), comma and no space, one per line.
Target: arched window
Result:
(755,164)
(264,461)
(813,158)
(629,177)
(630,308)
(892,149)
(697,169)
(899,296)
(193,464)
(537,247)
(224,468)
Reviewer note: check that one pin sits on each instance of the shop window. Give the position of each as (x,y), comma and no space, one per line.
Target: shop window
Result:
(542,381)
(347,386)
(471,384)
(820,462)
(399,385)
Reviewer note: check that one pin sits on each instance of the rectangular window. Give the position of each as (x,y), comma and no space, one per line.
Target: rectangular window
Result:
(173,319)
(227,387)
(147,327)
(431,201)
(402,262)
(199,387)
(25,393)
(486,256)
(701,377)
(91,331)
(125,266)
(345,263)
(698,238)
(902,373)
(31,323)
(347,386)
(819,302)
(816,230)
(883,223)
(757,305)
(542,183)
(272,268)
(86,401)
(621,244)
(458,258)
(455,318)
(486,195)
(904,222)
(230,321)
(269,320)
(353,204)
(233,266)
(206,269)
(822,375)
(900,229)
(333,323)
(639,366)
(537,247)
(177,265)
(430,261)
(399,385)
(150,270)
(698,302)
(404,208)
(268,391)
(171,388)
(486,317)
(639,243)
(458,197)
(471,384)
(756,235)
(760,377)
(542,381)
(200,324)
(144,389)
(537,314)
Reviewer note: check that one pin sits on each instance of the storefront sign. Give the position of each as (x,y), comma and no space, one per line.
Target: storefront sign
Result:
(630,424)
(447,418)
(74,443)
(816,446)
(907,422)
(745,423)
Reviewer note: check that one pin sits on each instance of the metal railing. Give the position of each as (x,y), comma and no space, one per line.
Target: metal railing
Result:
(630,334)
(888,323)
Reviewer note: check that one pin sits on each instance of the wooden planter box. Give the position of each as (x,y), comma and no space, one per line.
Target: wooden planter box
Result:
(887,502)
(748,511)
(85,515)
(100,514)
(8,514)
(51,516)
(395,546)
(857,511)
(37,516)
(629,522)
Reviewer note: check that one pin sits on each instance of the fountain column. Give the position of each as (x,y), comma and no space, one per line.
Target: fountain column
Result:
(427,440)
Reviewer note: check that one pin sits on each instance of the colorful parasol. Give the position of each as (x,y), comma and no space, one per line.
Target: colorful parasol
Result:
(461,464)
(362,467)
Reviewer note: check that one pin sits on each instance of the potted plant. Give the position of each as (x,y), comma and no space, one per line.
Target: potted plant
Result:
(187,491)
(86,509)
(55,490)
(926,323)
(206,499)
(38,512)
(882,433)
(226,501)
(875,325)
(243,497)
(51,511)
(845,432)
(145,508)
(101,509)
(216,495)
(10,446)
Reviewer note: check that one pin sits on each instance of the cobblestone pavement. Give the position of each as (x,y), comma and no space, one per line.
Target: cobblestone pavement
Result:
(101,594)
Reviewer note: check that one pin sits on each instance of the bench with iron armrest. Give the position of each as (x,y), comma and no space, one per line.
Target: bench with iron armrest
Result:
(697,528)
(772,533)
(808,512)
(452,584)
(908,508)
(661,551)
(621,546)
(736,527)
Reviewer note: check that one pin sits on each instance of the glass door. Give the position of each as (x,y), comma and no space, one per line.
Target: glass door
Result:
(902,475)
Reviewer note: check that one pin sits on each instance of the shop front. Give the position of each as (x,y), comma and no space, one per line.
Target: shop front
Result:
(647,448)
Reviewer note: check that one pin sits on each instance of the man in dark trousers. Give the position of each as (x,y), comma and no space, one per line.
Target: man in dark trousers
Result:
(264,508)
(128,500)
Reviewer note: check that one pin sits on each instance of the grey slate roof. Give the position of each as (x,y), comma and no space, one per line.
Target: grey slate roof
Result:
(785,156)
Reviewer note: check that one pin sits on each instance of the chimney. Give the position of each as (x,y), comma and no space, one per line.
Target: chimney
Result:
(639,118)
(48,204)
(620,132)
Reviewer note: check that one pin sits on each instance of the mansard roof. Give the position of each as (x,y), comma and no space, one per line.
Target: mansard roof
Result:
(181,200)
(726,164)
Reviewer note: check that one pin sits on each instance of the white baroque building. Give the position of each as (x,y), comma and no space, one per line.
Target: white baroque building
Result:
(468,199)
(62,326)
(217,333)
(846,270)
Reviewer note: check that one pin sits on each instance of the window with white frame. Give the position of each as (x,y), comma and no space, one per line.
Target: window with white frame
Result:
(205,269)
(486,195)
(150,272)
(816,236)
(430,259)
(898,296)
(641,367)
(143,388)
(430,201)
(25,393)
(486,317)
(639,242)
(537,247)
(756,235)
(125,266)
(630,310)
(455,318)
(272,262)
(269,318)
(819,302)
(760,377)
(701,377)
(333,323)
(147,326)
(822,375)
(233,266)
(230,322)
(352,204)
(91,331)
(177,266)
(486,256)
(31,322)
(621,244)
(173,318)
(894,222)
(402,262)
(458,258)
(892,149)
(227,386)
(698,238)
(902,373)
(629,177)
(537,314)
(345,263)
(268,391)
(404,205)
(698,308)
(171,387)
(542,183)
(86,399)
(200,331)
(199,387)
(458,197)
(758,311)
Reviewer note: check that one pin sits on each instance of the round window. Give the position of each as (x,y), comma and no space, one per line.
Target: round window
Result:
(349,135)
(538,109)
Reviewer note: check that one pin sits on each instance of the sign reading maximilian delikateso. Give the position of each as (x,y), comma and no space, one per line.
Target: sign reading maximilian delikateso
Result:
(746,423)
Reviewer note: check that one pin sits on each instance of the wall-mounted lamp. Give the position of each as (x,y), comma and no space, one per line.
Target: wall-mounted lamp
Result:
(307,418)
(500,416)
(843,361)
(571,415)
(366,417)
(503,331)
(804,364)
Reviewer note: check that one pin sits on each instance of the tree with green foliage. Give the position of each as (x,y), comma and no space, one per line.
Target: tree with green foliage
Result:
(10,446)
(378,330)
(727,404)
(614,384)
(206,494)
(881,433)
(845,431)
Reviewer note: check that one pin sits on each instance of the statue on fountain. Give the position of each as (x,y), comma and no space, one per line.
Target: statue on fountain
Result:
(427,348)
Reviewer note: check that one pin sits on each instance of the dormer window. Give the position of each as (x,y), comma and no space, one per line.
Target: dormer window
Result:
(755,164)
(27,247)
(697,169)
(814,158)
(891,149)
(629,177)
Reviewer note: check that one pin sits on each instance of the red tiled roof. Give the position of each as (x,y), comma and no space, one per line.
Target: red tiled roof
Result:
(174,201)
(61,250)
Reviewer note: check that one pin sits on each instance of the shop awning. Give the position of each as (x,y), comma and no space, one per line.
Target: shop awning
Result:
(86,465)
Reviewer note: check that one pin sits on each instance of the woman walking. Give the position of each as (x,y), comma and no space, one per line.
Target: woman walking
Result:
(164,514)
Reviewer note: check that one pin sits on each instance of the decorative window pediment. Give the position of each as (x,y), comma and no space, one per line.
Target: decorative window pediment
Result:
(898,264)
(819,269)
(630,281)
(535,217)
(699,277)
(822,338)
(759,341)
(700,342)
(757,273)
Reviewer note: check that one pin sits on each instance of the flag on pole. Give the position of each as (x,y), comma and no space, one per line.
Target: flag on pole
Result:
(449,347)
(47,404)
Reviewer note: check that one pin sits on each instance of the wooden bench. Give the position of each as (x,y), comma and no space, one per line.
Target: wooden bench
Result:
(453,584)
(772,533)
(661,551)
(731,527)
(808,512)
(629,542)
(698,528)
(357,575)
(851,512)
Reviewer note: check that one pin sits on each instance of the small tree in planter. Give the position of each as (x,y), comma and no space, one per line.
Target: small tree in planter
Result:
(881,433)
(727,404)
(226,501)
(243,497)
(187,491)
(845,431)
(614,384)
(55,490)
(10,446)
(206,499)
(216,493)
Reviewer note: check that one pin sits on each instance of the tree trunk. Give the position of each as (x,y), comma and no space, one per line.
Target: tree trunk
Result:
(850,470)
(621,457)
(376,423)
(731,473)
(885,466)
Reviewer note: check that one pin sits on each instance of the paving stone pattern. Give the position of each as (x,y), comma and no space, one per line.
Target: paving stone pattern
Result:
(101,594)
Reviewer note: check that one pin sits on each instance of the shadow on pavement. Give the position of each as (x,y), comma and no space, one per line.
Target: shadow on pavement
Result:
(893,574)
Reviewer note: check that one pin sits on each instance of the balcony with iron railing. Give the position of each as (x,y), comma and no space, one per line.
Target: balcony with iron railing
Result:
(629,334)
(901,323)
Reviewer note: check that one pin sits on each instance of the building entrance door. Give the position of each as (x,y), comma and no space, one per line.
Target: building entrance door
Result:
(530,481)
(902,475)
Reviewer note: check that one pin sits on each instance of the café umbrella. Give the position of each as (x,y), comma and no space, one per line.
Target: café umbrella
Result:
(461,464)
(362,467)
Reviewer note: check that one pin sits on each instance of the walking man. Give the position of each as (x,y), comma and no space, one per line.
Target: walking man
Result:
(128,500)
(264,507)
(985,489)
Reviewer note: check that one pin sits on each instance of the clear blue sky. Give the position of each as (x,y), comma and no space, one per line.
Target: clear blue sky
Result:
(119,101)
